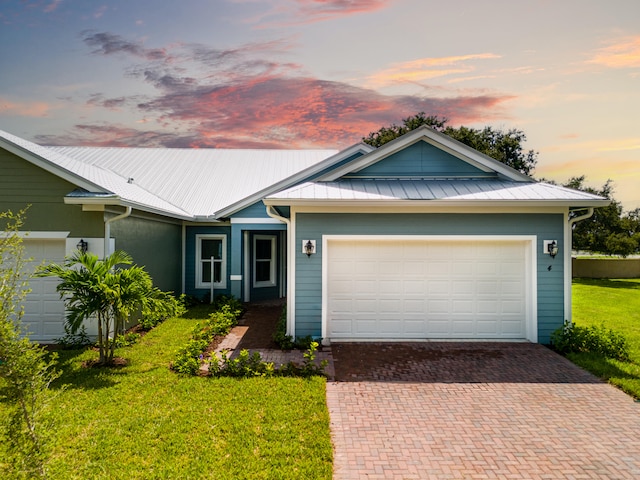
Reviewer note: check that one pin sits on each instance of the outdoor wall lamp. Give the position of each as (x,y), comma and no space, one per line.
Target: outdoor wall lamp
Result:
(552,248)
(83,246)
(309,247)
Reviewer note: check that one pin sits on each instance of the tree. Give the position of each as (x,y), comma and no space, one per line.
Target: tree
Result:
(506,147)
(104,289)
(25,368)
(608,230)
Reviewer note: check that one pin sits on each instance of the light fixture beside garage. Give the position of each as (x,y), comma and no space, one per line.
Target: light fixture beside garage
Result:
(83,246)
(309,247)
(551,247)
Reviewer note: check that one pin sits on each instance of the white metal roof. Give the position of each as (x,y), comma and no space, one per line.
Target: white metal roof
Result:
(92,177)
(476,190)
(198,181)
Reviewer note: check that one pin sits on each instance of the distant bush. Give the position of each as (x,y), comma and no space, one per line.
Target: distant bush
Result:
(574,339)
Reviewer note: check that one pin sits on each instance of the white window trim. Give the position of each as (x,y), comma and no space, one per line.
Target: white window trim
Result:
(272,270)
(222,284)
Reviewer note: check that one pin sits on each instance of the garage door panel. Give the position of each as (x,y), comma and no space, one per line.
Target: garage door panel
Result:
(413,268)
(462,287)
(426,288)
(391,306)
(366,328)
(392,287)
(44,313)
(415,306)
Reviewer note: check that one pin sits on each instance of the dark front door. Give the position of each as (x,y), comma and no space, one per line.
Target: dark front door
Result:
(264,268)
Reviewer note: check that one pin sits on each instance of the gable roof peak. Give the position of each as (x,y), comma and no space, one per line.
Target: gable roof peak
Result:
(437,139)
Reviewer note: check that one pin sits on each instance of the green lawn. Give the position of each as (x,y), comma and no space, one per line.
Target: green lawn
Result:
(144,422)
(616,305)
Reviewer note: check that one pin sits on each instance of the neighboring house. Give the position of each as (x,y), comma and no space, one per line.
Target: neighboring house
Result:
(422,238)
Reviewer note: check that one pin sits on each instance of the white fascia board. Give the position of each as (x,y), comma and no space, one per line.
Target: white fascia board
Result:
(426,209)
(50,167)
(430,205)
(255,221)
(437,139)
(115,200)
(293,179)
(37,235)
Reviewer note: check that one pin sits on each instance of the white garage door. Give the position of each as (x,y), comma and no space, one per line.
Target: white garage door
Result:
(44,311)
(426,288)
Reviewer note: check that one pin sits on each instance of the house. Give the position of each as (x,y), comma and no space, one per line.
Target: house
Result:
(422,238)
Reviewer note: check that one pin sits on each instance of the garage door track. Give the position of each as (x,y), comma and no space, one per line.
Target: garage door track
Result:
(476,410)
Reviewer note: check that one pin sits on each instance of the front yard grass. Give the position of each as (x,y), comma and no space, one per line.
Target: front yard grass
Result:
(142,421)
(616,305)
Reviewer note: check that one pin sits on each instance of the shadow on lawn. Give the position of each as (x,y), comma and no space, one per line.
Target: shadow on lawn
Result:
(75,375)
(607,283)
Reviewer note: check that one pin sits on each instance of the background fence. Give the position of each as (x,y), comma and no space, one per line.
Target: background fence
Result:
(606,267)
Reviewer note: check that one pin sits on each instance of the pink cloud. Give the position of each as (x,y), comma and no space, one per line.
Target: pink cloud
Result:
(24,109)
(235,97)
(621,53)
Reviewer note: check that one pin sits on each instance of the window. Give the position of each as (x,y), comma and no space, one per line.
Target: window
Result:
(208,246)
(264,261)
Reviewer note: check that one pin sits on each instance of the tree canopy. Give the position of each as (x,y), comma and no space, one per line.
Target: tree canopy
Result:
(609,230)
(504,146)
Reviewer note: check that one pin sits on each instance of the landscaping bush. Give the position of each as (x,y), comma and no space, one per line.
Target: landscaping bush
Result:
(190,357)
(599,340)
(162,306)
(287,342)
(74,341)
(247,365)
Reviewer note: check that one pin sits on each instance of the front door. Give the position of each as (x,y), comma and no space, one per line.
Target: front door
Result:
(264,267)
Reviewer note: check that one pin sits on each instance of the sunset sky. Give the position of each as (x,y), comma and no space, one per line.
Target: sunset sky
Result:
(325,73)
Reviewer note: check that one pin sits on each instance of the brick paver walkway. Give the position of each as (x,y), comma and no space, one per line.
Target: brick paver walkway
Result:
(478,410)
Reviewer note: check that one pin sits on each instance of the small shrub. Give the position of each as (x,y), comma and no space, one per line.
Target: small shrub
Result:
(127,339)
(228,300)
(574,339)
(163,305)
(190,357)
(74,341)
(280,337)
(245,365)
(287,342)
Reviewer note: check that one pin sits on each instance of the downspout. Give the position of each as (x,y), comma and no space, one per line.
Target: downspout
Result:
(107,229)
(290,302)
(581,217)
(569,264)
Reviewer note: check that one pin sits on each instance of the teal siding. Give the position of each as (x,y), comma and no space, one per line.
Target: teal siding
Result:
(190,262)
(308,298)
(333,167)
(257,210)
(421,160)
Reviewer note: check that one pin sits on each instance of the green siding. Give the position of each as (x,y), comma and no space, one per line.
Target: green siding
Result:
(154,244)
(421,160)
(308,297)
(22,184)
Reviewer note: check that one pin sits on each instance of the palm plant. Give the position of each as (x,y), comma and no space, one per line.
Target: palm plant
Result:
(103,289)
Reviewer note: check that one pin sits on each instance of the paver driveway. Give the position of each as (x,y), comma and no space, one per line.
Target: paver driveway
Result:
(476,410)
